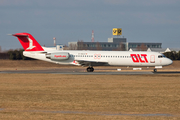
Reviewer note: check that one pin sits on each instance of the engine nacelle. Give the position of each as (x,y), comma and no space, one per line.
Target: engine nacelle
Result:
(58,56)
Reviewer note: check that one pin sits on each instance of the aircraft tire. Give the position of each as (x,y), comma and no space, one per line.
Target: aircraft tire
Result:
(155,70)
(90,69)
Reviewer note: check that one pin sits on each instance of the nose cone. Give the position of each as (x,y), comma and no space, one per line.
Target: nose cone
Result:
(169,61)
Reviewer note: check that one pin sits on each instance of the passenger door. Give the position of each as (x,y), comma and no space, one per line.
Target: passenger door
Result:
(152,59)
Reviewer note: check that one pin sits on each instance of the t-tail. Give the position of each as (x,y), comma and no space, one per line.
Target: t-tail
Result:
(28,42)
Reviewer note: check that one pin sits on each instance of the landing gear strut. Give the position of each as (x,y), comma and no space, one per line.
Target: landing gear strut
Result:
(90,69)
(155,70)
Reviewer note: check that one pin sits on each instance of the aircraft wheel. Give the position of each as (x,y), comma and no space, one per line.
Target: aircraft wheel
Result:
(155,70)
(90,69)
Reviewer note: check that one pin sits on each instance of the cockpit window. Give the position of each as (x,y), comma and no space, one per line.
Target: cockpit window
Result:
(161,56)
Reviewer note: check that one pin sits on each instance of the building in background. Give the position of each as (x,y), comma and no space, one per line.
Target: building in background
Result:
(144,46)
(116,43)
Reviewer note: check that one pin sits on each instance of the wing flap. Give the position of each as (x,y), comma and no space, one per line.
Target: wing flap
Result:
(92,63)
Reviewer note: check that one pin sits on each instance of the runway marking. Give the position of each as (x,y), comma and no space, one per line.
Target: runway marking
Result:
(93,113)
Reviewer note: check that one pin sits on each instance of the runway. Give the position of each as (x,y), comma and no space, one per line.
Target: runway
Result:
(81,72)
(94,113)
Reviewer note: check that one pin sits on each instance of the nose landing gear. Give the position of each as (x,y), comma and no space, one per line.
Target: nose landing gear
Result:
(90,69)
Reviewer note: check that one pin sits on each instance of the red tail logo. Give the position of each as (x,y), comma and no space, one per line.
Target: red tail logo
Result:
(28,42)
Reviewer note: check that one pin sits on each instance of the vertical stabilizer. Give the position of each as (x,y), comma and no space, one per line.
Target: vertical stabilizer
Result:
(28,42)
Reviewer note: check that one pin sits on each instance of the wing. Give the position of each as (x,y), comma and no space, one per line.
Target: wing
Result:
(92,63)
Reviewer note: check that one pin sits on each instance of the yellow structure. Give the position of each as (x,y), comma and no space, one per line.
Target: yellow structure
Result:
(117,31)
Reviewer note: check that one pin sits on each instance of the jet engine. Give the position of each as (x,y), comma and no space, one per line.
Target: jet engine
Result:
(58,56)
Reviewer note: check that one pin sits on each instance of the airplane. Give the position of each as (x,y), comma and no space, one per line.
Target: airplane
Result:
(91,58)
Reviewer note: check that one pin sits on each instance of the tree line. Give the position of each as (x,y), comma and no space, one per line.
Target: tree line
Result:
(18,55)
(173,55)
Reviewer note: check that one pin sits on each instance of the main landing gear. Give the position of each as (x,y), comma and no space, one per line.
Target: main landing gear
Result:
(90,69)
(155,70)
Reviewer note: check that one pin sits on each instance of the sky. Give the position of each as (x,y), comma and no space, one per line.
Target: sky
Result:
(72,20)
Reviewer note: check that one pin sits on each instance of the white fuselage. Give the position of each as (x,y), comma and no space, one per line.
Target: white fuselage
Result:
(116,58)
